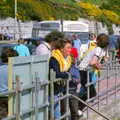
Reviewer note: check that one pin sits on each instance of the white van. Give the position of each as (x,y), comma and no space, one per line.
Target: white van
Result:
(41,29)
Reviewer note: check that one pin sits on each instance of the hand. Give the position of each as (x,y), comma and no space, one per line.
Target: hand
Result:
(78,90)
(98,65)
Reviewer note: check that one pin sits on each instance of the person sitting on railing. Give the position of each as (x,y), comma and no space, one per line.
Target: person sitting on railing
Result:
(92,60)
(6,53)
(60,62)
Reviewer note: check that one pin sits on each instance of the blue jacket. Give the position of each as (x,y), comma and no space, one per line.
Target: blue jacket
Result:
(22,50)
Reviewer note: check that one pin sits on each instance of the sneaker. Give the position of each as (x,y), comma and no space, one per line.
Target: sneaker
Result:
(80,113)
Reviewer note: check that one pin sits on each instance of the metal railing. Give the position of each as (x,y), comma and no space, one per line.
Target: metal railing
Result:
(110,71)
(107,86)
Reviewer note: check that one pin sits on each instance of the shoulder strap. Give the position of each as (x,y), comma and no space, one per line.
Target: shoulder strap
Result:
(46,46)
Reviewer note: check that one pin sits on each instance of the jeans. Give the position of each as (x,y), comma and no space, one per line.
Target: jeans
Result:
(57,113)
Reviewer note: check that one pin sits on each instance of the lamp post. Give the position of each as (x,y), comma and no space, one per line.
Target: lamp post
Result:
(16,9)
(15,18)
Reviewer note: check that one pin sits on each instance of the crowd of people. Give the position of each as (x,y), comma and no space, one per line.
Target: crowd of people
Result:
(66,56)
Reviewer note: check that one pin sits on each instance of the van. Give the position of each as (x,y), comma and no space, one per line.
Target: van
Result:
(81,29)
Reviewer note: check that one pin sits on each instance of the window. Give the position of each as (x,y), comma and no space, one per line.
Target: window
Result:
(49,26)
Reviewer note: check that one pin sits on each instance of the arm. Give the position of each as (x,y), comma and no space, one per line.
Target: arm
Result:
(95,62)
(27,52)
(53,64)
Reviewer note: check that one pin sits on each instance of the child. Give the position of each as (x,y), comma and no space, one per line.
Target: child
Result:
(74,85)
(75,74)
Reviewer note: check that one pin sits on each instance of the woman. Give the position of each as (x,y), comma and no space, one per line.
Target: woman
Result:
(60,62)
(92,60)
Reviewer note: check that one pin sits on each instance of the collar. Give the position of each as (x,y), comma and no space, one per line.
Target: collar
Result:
(47,45)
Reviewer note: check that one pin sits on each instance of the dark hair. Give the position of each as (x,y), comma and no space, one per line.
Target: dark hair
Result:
(54,36)
(21,41)
(8,52)
(62,42)
(103,40)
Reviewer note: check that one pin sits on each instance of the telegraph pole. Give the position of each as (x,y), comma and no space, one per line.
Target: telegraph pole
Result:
(15,18)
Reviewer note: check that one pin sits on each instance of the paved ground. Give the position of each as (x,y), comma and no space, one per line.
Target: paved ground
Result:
(110,106)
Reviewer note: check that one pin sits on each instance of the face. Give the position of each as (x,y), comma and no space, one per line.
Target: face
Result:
(67,50)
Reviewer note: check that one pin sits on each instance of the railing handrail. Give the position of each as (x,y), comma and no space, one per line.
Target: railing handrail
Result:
(99,113)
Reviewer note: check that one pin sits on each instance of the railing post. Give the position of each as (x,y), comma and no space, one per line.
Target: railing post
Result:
(88,89)
(67,99)
(107,96)
(98,93)
(115,80)
(36,95)
(52,77)
(17,98)
(46,101)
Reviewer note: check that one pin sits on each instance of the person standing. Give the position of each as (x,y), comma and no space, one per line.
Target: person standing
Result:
(92,60)
(76,43)
(6,53)
(22,49)
(60,62)
(49,43)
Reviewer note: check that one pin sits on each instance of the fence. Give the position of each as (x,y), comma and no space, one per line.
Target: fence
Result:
(108,90)
(25,100)
(28,90)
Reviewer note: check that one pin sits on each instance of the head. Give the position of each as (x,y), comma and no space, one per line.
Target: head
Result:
(65,46)
(92,36)
(6,53)
(103,40)
(21,41)
(53,37)
(74,37)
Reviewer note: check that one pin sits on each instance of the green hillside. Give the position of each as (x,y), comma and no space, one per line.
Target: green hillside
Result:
(113,5)
(106,11)
(40,9)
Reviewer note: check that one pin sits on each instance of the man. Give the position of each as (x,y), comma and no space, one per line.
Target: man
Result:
(50,41)
(22,49)
(76,43)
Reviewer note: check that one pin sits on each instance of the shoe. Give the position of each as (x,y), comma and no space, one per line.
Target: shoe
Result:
(80,113)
